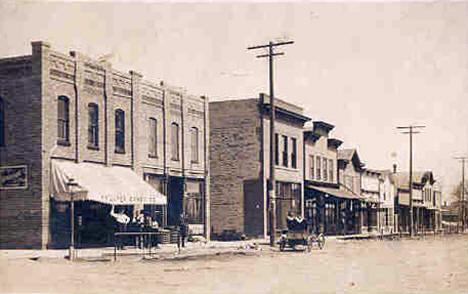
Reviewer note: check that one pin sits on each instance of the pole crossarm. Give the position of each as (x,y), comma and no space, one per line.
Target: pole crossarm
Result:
(268,55)
(271,44)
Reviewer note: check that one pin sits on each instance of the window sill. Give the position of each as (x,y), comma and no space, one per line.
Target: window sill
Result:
(63,143)
(92,147)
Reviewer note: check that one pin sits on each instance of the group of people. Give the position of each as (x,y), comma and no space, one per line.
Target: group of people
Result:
(141,222)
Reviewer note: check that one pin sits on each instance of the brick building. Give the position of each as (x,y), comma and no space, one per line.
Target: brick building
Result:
(71,115)
(239,152)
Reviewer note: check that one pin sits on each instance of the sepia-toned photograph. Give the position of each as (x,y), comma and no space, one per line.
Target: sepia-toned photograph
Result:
(233,146)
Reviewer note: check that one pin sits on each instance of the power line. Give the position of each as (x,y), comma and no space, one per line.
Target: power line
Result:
(410,186)
(272,185)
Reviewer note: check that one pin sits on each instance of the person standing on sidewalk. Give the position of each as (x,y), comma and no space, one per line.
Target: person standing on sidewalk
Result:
(183,230)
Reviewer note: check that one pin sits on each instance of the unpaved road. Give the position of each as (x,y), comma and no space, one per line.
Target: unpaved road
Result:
(433,265)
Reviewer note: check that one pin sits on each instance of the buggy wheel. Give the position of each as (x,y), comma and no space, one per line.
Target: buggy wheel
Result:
(321,241)
(282,245)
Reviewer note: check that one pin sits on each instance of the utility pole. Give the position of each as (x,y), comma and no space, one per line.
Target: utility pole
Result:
(410,186)
(271,187)
(461,206)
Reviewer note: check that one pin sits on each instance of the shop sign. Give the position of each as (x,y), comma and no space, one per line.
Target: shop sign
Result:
(13,177)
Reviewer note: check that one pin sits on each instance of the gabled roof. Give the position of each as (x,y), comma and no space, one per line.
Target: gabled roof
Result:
(401,179)
(350,155)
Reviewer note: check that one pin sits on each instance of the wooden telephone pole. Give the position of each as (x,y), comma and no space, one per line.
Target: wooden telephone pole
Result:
(461,206)
(410,186)
(272,183)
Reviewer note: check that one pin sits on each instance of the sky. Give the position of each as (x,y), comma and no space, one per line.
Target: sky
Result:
(364,67)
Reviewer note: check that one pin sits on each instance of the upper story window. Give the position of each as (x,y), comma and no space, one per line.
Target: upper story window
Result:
(311,167)
(330,170)
(93,125)
(153,138)
(318,168)
(194,144)
(2,123)
(276,149)
(285,151)
(294,153)
(119,131)
(325,169)
(63,121)
(175,141)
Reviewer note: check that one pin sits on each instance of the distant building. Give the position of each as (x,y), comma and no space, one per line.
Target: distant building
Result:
(426,210)
(350,169)
(69,116)
(240,156)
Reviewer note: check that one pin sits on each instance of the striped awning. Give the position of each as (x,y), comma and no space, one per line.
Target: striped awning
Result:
(111,185)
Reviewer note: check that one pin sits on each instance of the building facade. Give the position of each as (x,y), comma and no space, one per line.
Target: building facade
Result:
(240,158)
(328,208)
(70,108)
(425,207)
(350,169)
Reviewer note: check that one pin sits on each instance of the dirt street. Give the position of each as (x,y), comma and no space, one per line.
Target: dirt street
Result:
(432,265)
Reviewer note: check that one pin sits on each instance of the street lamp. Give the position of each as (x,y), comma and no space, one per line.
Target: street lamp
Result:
(71,252)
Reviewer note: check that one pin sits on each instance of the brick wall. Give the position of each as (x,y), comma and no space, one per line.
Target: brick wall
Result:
(21,209)
(234,160)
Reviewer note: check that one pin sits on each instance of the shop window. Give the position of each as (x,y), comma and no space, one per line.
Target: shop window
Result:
(153,138)
(294,153)
(63,121)
(119,131)
(93,126)
(194,145)
(276,149)
(285,151)
(175,141)
(193,202)
(2,123)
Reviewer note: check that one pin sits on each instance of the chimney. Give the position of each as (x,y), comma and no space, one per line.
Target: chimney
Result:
(394,168)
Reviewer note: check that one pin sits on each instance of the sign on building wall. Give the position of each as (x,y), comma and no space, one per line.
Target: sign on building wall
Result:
(13,177)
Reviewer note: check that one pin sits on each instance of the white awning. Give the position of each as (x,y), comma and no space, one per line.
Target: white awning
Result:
(112,185)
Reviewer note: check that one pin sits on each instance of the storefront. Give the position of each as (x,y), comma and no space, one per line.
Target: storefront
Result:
(332,211)
(96,191)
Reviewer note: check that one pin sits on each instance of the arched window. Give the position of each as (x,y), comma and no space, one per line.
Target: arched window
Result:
(63,121)
(152,137)
(93,125)
(2,123)
(119,131)
(175,141)
(194,144)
